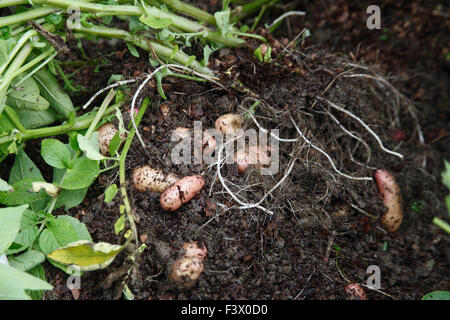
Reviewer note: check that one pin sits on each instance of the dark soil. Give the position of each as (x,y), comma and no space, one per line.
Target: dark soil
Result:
(314,241)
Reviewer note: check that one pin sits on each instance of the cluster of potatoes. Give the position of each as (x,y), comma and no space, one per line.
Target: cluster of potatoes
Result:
(176,191)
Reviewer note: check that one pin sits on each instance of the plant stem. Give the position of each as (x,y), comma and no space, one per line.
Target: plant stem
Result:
(442,224)
(13,67)
(56,130)
(13,117)
(101,111)
(190,26)
(23,39)
(143,43)
(191,11)
(26,16)
(122,178)
(94,7)
(249,8)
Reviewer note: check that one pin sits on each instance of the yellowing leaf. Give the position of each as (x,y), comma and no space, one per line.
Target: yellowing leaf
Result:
(87,255)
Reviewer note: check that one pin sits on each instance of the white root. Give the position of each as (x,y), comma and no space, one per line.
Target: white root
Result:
(377,138)
(285,15)
(327,156)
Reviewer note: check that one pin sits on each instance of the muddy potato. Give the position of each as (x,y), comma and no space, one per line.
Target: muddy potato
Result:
(181,192)
(105,134)
(146,178)
(186,271)
(355,292)
(259,156)
(165,110)
(192,250)
(180,133)
(229,123)
(392,199)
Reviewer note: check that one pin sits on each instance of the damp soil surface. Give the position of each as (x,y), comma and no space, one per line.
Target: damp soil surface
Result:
(320,229)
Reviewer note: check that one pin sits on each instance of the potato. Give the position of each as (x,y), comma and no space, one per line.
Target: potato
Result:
(193,250)
(186,271)
(229,123)
(392,199)
(181,133)
(165,110)
(260,156)
(355,292)
(181,192)
(208,141)
(146,178)
(105,134)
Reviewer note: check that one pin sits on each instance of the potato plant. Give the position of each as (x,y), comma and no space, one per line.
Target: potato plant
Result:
(34,104)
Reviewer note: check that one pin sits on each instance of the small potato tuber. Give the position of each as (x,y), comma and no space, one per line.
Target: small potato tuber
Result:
(229,123)
(105,134)
(392,199)
(181,192)
(146,178)
(355,292)
(260,156)
(165,110)
(186,271)
(193,250)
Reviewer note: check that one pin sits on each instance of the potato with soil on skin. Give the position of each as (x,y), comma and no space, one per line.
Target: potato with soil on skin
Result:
(105,134)
(208,141)
(355,292)
(146,178)
(181,192)
(260,156)
(392,199)
(192,250)
(186,271)
(229,123)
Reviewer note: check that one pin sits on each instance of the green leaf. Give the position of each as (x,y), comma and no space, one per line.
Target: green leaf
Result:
(155,22)
(4,186)
(223,21)
(14,282)
(87,255)
(62,231)
(90,146)
(70,198)
(132,49)
(38,272)
(26,95)
(83,172)
(110,193)
(115,143)
(27,260)
(23,240)
(120,224)
(23,168)
(437,295)
(23,194)
(32,119)
(10,225)
(51,90)
(55,153)
(54,18)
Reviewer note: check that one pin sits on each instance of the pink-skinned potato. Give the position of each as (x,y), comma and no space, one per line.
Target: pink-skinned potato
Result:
(392,199)
(181,192)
